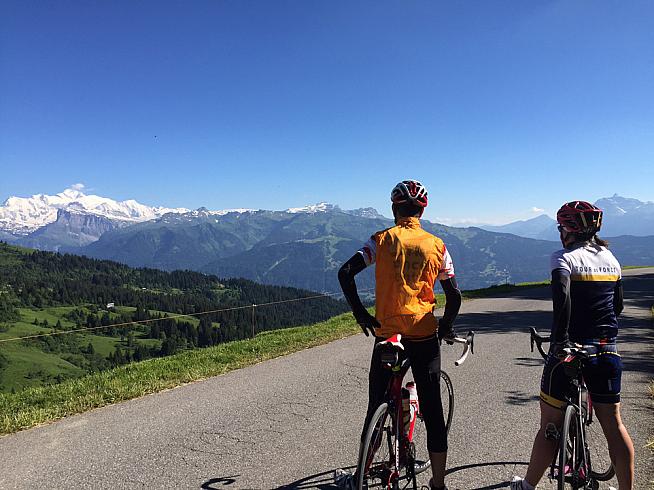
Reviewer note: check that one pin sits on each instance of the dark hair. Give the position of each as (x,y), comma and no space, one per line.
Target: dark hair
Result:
(590,237)
(408,210)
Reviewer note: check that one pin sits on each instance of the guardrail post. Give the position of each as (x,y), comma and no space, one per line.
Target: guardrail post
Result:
(253,320)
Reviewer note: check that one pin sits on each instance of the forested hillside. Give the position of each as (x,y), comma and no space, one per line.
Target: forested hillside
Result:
(48,293)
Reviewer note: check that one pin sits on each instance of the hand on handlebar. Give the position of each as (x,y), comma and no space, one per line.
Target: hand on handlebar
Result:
(446,333)
(562,349)
(367,322)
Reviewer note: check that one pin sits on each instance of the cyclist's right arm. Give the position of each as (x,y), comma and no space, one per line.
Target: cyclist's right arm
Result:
(452,306)
(346,274)
(452,296)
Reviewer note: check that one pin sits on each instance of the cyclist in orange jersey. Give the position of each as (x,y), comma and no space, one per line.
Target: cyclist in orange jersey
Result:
(408,262)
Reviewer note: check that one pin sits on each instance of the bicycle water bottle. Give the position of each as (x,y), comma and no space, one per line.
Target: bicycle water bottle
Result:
(409,405)
(413,397)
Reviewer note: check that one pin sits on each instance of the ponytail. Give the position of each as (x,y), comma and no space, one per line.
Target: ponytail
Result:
(600,242)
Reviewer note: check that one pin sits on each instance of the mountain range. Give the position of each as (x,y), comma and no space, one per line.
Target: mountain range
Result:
(622,216)
(300,247)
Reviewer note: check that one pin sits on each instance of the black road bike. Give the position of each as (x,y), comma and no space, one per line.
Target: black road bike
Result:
(576,464)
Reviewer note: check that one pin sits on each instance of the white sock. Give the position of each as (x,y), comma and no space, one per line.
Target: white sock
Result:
(524,484)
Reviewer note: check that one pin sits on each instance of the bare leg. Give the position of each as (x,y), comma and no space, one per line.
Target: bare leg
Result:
(543,449)
(621,448)
(438,461)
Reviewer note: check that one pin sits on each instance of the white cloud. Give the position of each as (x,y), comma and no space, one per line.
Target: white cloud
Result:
(536,210)
(78,187)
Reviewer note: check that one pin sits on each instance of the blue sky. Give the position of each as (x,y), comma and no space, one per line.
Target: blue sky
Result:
(498,107)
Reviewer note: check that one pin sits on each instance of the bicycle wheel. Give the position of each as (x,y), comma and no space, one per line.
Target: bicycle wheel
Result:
(572,455)
(376,464)
(447,399)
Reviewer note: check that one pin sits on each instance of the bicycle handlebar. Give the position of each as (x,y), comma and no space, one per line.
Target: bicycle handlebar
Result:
(538,340)
(468,346)
(394,345)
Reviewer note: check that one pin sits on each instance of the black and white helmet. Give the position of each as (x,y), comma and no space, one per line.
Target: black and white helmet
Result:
(410,191)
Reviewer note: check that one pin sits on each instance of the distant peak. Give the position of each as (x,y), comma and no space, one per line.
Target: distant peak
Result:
(321,207)
(364,213)
(71,193)
(23,215)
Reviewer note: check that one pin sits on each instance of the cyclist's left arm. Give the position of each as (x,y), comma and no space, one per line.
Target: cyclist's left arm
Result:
(618,298)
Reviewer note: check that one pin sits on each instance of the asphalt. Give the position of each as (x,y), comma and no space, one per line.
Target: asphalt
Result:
(289,422)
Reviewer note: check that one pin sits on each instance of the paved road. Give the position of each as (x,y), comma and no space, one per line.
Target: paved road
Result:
(289,422)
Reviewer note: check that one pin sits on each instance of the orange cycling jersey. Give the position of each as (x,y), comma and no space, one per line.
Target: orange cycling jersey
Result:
(408,261)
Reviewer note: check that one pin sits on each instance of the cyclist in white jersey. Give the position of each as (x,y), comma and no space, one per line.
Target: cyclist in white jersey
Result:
(587,298)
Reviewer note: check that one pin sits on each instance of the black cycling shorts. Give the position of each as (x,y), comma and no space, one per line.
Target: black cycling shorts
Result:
(602,374)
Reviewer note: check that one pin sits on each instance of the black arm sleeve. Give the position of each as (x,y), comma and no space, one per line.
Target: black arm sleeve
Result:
(618,298)
(346,278)
(452,302)
(561,305)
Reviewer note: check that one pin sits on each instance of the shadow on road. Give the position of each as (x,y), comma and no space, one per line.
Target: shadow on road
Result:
(320,481)
(520,397)
(502,484)
(528,361)
(325,480)
(216,483)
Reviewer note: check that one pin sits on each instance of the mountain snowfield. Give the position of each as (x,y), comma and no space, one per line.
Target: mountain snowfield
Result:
(20,216)
(24,215)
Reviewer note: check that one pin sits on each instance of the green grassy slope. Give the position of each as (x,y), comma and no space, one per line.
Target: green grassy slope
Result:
(38,405)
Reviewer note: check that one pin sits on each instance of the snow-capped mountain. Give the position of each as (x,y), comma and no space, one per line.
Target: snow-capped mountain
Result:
(626,216)
(21,216)
(321,207)
(371,213)
(620,206)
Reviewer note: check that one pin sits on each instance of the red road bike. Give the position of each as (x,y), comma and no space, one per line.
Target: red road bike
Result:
(394,450)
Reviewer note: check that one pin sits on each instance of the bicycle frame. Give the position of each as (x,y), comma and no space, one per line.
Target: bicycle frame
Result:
(393,396)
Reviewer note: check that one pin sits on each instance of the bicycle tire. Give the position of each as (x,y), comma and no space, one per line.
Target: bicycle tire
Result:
(379,434)
(448,400)
(572,457)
